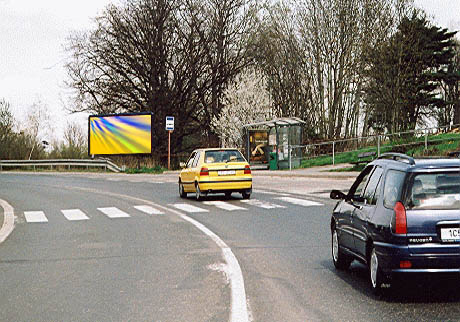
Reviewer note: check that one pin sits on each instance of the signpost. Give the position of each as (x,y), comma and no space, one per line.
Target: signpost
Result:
(169,128)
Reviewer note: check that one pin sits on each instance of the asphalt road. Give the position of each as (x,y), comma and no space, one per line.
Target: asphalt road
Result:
(160,267)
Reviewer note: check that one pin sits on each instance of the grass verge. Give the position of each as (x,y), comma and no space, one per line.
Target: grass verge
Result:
(155,170)
(438,145)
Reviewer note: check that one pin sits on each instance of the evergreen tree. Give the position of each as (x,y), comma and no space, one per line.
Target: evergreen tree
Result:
(404,73)
(450,91)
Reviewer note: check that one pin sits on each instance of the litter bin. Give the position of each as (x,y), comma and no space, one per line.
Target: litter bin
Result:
(273,163)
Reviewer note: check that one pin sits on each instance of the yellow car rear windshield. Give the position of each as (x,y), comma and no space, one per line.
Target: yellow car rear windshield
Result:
(219,156)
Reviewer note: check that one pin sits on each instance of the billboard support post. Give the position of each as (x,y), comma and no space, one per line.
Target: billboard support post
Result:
(169,150)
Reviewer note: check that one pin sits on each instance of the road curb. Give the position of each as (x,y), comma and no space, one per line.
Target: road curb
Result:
(8,220)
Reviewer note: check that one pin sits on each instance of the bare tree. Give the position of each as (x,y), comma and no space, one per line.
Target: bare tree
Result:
(246,101)
(167,57)
(76,139)
(6,129)
(312,53)
(228,25)
(335,34)
(37,125)
(282,59)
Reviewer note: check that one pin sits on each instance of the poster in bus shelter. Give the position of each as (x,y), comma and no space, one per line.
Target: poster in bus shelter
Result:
(258,144)
(120,134)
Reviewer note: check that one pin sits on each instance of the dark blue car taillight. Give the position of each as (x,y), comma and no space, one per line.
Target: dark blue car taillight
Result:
(399,220)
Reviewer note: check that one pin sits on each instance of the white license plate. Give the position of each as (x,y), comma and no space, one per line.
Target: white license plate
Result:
(450,234)
(226,173)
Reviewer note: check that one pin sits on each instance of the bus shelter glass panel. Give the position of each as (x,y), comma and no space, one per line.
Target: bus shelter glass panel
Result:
(295,137)
(283,136)
(258,146)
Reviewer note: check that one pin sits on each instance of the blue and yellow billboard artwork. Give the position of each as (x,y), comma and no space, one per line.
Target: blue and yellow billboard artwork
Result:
(120,134)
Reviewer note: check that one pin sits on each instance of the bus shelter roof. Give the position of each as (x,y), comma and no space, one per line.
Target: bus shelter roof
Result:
(282,121)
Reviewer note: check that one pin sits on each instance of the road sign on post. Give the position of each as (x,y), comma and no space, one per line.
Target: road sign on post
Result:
(169,123)
(169,128)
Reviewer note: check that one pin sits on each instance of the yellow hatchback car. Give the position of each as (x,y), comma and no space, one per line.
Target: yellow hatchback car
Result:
(215,171)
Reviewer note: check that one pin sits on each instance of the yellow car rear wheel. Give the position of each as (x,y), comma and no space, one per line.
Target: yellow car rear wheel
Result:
(246,195)
(199,195)
(182,192)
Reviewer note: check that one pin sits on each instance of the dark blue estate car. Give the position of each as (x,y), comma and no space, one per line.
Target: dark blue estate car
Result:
(402,215)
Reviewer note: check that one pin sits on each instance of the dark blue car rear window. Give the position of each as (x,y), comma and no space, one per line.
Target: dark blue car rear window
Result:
(435,191)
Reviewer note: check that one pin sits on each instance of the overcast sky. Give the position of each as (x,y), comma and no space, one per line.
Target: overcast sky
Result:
(32,34)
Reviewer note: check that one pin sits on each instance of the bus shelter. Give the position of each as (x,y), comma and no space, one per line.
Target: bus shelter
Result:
(270,144)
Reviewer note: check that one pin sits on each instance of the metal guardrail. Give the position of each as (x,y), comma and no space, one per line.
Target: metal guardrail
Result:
(107,164)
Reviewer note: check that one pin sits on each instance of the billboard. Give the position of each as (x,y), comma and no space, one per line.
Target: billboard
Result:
(120,134)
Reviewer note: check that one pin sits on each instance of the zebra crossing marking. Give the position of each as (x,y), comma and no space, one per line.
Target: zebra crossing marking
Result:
(188,208)
(300,202)
(261,204)
(113,212)
(273,193)
(223,205)
(149,210)
(74,214)
(35,216)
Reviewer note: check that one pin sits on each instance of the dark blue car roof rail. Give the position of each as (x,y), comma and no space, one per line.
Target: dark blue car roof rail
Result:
(397,157)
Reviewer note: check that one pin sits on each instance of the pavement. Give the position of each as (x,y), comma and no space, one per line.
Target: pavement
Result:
(161,268)
(97,248)
(316,182)
(325,172)
(2,218)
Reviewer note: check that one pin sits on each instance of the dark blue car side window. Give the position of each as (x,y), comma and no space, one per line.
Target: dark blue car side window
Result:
(393,184)
(370,194)
(358,187)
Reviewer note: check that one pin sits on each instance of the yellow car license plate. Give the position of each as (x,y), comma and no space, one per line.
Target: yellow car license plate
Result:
(226,172)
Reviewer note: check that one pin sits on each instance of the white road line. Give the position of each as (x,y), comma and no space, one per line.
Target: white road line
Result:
(35,216)
(8,220)
(149,210)
(261,204)
(300,202)
(188,208)
(239,308)
(223,205)
(74,214)
(239,312)
(113,212)
(271,193)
